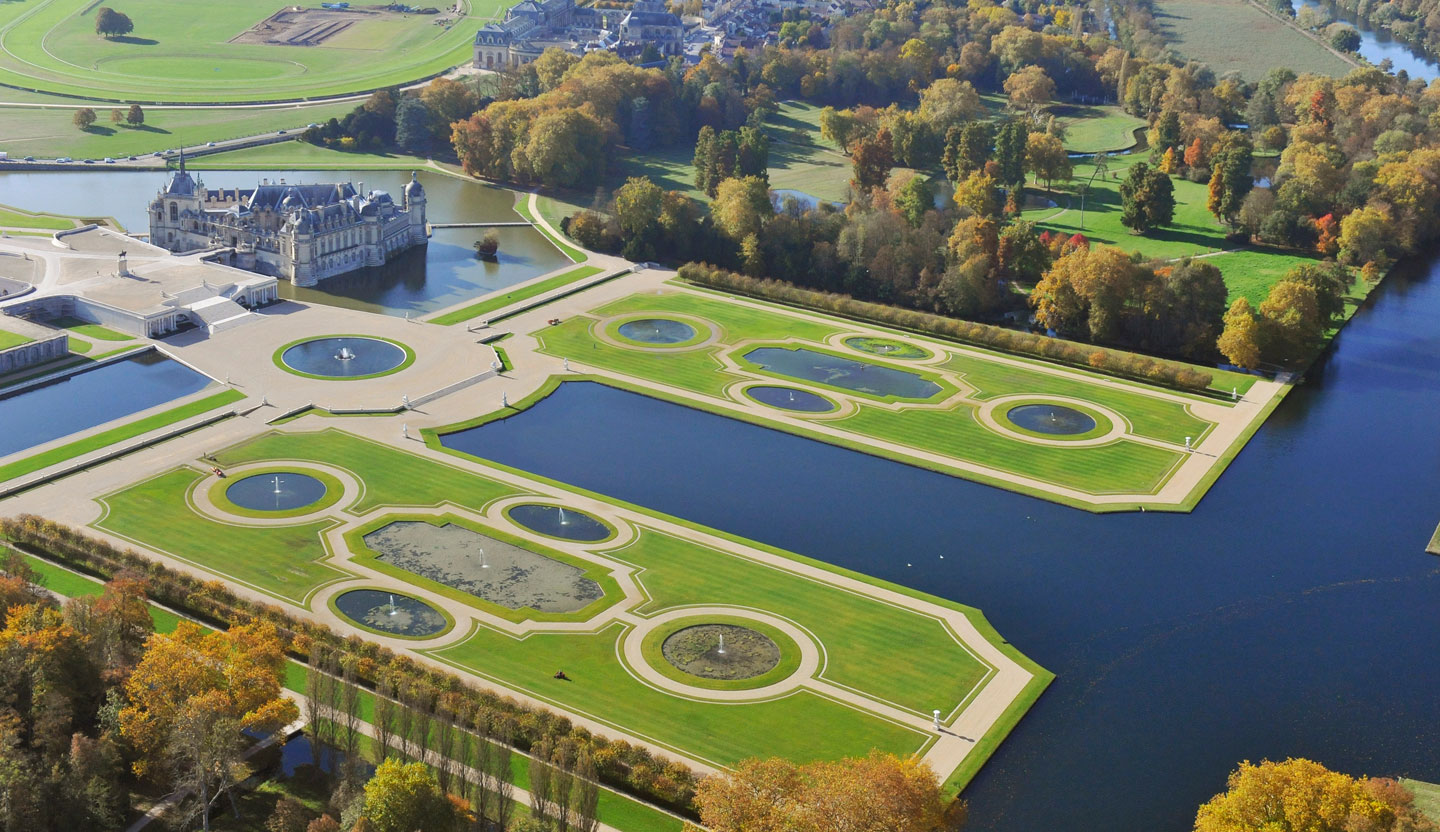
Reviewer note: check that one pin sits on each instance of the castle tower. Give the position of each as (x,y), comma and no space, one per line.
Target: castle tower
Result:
(415,205)
(302,250)
(182,193)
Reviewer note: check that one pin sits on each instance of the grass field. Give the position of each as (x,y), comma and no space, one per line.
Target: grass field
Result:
(1234,36)
(603,688)
(1249,273)
(1427,797)
(177,55)
(953,431)
(13,218)
(298,155)
(90,330)
(1096,129)
(48,133)
(11,339)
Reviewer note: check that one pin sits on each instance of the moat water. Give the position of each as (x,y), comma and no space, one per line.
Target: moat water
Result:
(416,282)
(87,398)
(1377,45)
(1294,612)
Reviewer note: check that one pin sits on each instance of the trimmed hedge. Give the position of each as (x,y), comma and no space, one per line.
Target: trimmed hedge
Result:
(666,783)
(1112,362)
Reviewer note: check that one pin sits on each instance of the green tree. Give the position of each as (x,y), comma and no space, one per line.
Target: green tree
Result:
(1190,318)
(110,23)
(412,125)
(1164,134)
(1331,282)
(404,797)
(638,204)
(565,148)
(1147,199)
(135,116)
(967,149)
(1010,145)
(1231,177)
(913,199)
(838,126)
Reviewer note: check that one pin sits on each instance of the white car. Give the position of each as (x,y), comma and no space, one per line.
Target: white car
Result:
(63,159)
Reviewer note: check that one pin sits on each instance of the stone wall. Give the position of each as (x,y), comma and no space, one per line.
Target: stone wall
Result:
(23,356)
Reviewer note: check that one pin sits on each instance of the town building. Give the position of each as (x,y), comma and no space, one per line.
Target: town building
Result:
(303,233)
(532,26)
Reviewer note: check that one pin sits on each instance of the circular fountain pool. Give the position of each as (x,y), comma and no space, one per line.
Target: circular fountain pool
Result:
(721,651)
(1051,419)
(788,398)
(887,347)
(561,522)
(657,331)
(276,491)
(344,357)
(391,613)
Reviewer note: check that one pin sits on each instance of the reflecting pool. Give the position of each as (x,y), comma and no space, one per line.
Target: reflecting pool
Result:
(561,522)
(788,398)
(1054,419)
(92,397)
(389,612)
(860,376)
(657,331)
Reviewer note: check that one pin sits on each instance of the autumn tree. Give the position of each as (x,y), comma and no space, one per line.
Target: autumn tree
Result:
(1087,292)
(1292,325)
(948,103)
(1300,794)
(135,116)
(83,118)
(1045,157)
(448,101)
(1239,342)
(742,205)
(977,194)
(191,696)
(1363,233)
(1147,199)
(878,792)
(638,205)
(110,23)
(1029,88)
(871,160)
(404,797)
(551,66)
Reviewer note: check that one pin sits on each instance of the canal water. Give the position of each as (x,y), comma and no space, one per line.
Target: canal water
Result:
(1294,612)
(92,397)
(1377,45)
(416,283)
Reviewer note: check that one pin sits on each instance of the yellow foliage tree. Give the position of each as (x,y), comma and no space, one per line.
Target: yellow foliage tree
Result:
(1303,795)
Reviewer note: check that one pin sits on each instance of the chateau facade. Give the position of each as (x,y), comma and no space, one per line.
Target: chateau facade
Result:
(302,233)
(533,26)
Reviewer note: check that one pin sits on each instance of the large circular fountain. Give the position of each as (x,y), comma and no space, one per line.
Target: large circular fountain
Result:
(390,613)
(789,398)
(721,651)
(561,522)
(344,357)
(1051,419)
(277,491)
(660,331)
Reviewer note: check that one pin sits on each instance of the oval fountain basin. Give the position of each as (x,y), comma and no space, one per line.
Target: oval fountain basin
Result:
(1053,419)
(657,331)
(259,492)
(391,613)
(846,373)
(558,521)
(788,398)
(345,357)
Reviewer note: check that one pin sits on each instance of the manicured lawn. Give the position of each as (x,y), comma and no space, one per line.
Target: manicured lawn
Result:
(280,560)
(1234,36)
(391,477)
(1096,129)
(306,156)
(522,207)
(725,734)
(1123,466)
(117,434)
(1251,273)
(892,654)
(1427,797)
(175,55)
(88,330)
(11,218)
(11,339)
(48,133)
(550,284)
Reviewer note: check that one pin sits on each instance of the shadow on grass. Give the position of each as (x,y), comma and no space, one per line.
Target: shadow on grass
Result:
(98,130)
(134,41)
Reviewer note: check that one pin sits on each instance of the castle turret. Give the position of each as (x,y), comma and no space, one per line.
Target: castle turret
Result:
(302,251)
(415,205)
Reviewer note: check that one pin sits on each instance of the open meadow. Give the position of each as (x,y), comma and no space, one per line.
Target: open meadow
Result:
(1236,36)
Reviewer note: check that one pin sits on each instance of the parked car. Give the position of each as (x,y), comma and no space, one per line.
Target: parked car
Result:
(279,132)
(109,161)
(64,159)
(209,144)
(29,158)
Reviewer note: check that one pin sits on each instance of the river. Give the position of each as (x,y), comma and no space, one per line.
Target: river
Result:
(1294,612)
(1377,45)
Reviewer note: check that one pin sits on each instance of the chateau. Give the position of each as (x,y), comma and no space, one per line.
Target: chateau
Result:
(303,233)
(531,27)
